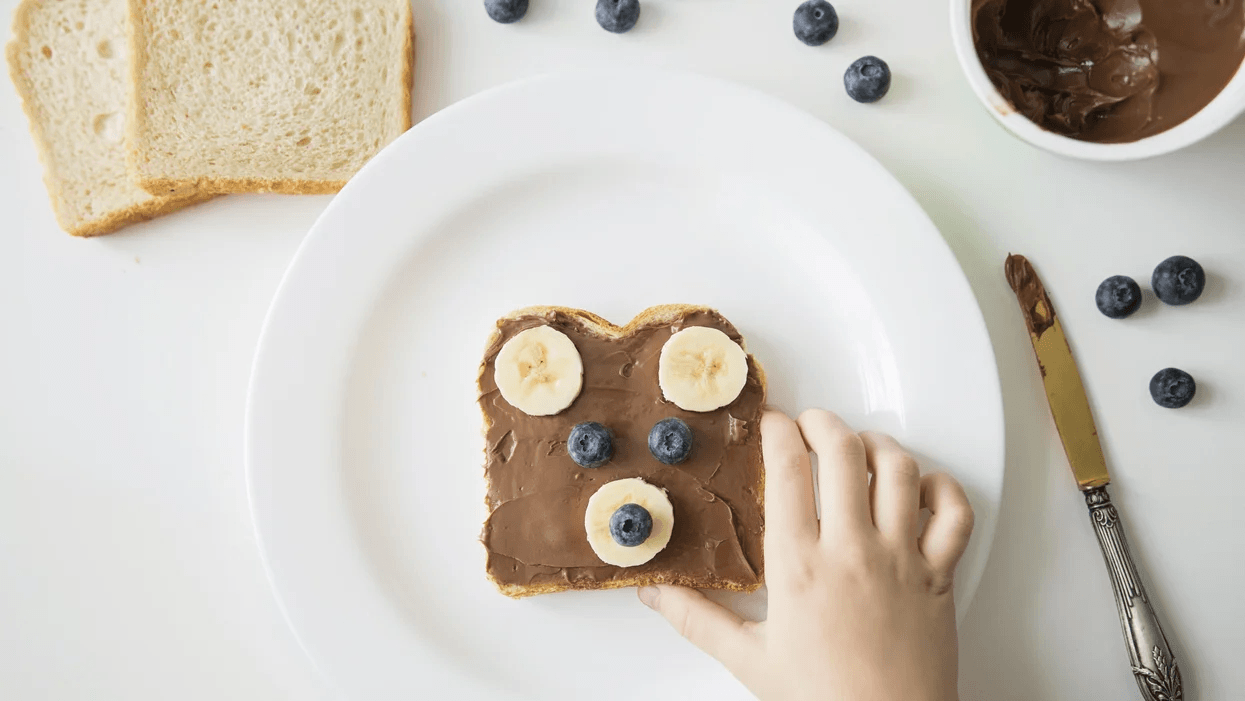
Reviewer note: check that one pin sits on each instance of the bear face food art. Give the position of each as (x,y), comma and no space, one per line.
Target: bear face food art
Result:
(621,456)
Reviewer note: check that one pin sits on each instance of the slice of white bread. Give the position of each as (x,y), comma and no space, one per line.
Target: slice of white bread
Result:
(288,96)
(68,61)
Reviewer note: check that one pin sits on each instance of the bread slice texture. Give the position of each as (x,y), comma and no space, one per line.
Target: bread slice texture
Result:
(265,95)
(670,316)
(68,62)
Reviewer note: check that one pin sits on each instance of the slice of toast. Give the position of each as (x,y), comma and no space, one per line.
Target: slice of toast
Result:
(68,62)
(265,95)
(536,495)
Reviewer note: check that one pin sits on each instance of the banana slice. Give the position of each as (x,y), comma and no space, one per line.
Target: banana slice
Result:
(539,371)
(609,499)
(702,369)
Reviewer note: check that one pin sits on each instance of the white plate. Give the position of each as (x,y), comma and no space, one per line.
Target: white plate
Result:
(609,193)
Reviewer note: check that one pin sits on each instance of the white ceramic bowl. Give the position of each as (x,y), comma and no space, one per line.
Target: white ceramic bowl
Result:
(1227,106)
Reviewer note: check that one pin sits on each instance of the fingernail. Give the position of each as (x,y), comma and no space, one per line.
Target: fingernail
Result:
(649,596)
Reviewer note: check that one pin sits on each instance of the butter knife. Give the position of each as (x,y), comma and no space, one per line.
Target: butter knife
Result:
(1154,665)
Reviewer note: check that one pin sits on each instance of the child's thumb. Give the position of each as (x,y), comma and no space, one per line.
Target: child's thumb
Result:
(707,625)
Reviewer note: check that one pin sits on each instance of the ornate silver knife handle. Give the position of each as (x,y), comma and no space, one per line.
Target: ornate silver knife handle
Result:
(1154,665)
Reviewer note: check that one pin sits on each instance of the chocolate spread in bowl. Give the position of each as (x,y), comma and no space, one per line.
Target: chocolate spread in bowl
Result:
(1109,71)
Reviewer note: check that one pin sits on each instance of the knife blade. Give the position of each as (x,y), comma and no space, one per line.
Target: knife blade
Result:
(1152,660)
(1064,390)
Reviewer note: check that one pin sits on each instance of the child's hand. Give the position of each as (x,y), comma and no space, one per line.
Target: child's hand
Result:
(860,604)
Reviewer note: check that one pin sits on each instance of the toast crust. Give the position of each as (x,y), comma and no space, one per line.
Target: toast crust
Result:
(660,315)
(183,187)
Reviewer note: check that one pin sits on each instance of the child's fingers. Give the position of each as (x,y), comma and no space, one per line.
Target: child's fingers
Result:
(895,493)
(790,513)
(842,469)
(950,524)
(708,626)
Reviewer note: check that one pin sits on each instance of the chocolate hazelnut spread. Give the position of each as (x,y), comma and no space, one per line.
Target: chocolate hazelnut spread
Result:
(1109,71)
(1034,302)
(537,495)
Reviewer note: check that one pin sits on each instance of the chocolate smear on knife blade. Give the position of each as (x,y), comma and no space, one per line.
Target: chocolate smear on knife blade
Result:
(1034,303)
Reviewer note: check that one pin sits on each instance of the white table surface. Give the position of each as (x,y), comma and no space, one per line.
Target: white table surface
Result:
(128,567)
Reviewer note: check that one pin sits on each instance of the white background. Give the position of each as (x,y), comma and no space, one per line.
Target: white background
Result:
(128,569)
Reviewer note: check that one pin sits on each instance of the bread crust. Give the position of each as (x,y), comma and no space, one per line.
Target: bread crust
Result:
(105,223)
(170,187)
(175,187)
(659,315)
(138,213)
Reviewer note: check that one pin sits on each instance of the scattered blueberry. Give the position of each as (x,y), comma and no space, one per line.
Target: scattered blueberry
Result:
(617,16)
(1118,296)
(1178,280)
(590,444)
(1172,388)
(815,22)
(670,441)
(631,525)
(506,11)
(868,79)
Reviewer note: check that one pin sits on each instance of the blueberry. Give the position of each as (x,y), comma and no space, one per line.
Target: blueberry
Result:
(631,525)
(1178,280)
(1118,296)
(1172,388)
(590,444)
(868,79)
(506,11)
(815,22)
(617,16)
(670,441)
